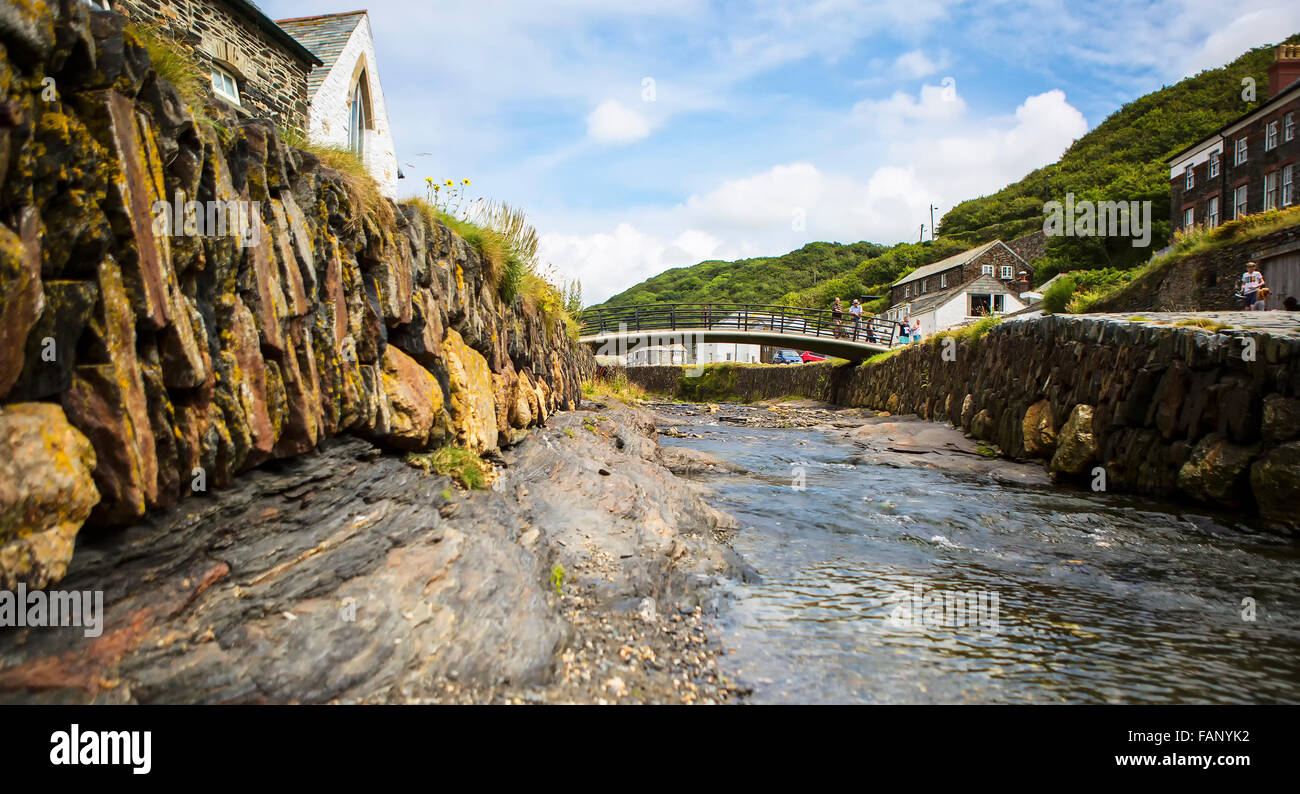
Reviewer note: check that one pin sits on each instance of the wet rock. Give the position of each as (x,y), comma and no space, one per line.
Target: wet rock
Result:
(1275,483)
(46,492)
(1217,471)
(1281,418)
(1076,445)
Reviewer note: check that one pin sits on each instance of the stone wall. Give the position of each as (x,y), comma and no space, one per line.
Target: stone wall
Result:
(142,363)
(1206,281)
(1161,410)
(272,80)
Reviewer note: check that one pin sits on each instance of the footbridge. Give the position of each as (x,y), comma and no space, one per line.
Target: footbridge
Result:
(615,331)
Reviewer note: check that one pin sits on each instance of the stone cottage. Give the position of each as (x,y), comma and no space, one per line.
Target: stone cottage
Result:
(254,64)
(984,281)
(347,105)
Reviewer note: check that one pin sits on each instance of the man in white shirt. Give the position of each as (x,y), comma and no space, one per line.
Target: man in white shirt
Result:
(856,311)
(1251,282)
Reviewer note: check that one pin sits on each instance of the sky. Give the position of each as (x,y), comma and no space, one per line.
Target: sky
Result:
(642,135)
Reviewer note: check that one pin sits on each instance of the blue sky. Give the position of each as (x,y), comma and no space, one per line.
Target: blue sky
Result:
(642,135)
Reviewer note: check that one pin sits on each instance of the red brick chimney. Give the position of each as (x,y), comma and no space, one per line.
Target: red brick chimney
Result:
(1285,70)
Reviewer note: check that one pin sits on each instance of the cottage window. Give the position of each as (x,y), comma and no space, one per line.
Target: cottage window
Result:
(1189,217)
(1288,186)
(1189,177)
(1008,272)
(999,303)
(1270,191)
(987,270)
(943,281)
(225,85)
(1239,202)
(1212,212)
(907,292)
(920,290)
(1270,136)
(1240,156)
(1288,128)
(1214,164)
(359,117)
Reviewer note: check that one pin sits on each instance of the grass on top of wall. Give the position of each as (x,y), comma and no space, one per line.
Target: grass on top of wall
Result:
(362,188)
(173,62)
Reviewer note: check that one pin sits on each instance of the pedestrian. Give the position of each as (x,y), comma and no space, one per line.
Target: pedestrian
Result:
(856,311)
(1291,304)
(1251,283)
(837,316)
(1261,302)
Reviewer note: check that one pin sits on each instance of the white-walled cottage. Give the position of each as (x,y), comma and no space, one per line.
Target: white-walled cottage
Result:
(347,105)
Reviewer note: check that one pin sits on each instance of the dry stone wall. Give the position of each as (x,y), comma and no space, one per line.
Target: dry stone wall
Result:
(1155,409)
(142,364)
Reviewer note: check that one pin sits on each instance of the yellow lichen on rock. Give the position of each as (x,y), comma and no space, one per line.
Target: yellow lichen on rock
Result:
(473,410)
(46,492)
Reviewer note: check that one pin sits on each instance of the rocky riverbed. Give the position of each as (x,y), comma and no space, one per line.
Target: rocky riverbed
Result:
(349,576)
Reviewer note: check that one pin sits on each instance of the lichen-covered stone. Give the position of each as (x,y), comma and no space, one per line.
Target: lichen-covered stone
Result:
(1039,430)
(21,298)
(1217,471)
(472,409)
(416,416)
(46,492)
(1076,445)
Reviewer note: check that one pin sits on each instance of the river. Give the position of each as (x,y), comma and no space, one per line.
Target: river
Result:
(1069,596)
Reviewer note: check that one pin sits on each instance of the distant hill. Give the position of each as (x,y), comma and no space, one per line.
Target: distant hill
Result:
(760,280)
(1121,159)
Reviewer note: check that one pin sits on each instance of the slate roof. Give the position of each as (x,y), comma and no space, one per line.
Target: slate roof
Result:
(951,262)
(326,36)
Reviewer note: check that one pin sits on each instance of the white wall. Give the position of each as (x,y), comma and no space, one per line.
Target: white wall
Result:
(328,121)
(713,352)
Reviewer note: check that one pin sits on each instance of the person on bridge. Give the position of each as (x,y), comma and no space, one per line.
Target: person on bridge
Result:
(837,318)
(856,311)
(1251,283)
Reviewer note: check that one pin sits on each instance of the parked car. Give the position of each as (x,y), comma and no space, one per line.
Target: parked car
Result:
(786,357)
(812,357)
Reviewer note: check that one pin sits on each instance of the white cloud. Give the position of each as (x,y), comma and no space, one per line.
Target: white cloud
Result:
(612,122)
(916,64)
(934,103)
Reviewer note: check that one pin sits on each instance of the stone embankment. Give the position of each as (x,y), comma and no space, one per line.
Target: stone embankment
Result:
(1133,404)
(142,363)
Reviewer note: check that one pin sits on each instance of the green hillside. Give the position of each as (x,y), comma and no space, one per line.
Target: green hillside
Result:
(1122,159)
(760,280)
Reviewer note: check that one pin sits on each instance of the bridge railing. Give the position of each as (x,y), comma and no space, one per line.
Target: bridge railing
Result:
(738,316)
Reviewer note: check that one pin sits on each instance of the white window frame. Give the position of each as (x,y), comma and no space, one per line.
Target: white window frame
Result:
(220,89)
(1288,127)
(1189,177)
(943,281)
(1270,136)
(1189,217)
(1214,164)
(1240,196)
(987,270)
(1008,272)
(907,291)
(1212,212)
(1270,191)
(1288,185)
(1241,154)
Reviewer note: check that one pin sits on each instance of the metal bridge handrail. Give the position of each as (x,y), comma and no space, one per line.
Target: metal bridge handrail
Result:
(741,316)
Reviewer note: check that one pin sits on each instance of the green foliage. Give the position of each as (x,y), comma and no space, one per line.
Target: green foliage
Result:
(459,464)
(557,579)
(174,62)
(1077,291)
(1121,160)
(873,276)
(616,388)
(761,280)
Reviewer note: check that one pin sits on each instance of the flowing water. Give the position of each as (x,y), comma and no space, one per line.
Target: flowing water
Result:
(1068,596)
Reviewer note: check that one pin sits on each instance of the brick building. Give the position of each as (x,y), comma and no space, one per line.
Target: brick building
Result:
(255,65)
(1248,165)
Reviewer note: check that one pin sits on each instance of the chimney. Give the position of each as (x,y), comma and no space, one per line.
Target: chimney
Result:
(1285,70)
